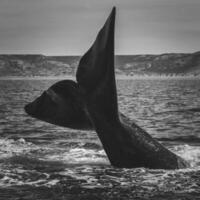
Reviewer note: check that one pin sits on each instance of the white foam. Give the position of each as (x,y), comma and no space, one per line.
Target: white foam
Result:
(190,153)
(10,147)
(80,156)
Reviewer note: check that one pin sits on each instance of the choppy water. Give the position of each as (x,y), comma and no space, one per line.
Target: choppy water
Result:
(43,161)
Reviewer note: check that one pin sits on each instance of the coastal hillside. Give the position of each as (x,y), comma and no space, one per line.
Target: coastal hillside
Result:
(39,65)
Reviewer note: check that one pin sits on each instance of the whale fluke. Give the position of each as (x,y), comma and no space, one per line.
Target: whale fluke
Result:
(126,144)
(61,105)
(95,72)
(91,103)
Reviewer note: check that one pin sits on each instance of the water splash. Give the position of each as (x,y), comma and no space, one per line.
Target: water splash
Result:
(189,153)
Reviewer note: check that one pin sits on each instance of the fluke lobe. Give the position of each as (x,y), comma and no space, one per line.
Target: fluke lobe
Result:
(91,103)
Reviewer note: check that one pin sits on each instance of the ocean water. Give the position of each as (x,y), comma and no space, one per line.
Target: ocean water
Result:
(42,161)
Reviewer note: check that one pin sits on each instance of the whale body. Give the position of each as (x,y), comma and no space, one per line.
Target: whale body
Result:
(91,103)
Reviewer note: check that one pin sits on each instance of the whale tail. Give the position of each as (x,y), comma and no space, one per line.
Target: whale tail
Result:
(92,103)
(63,105)
(96,74)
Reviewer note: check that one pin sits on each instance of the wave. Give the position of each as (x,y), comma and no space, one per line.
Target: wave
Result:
(10,147)
(88,168)
(84,153)
(185,139)
(197,109)
(79,153)
(80,156)
(190,153)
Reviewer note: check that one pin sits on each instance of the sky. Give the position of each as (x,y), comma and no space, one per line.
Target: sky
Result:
(69,27)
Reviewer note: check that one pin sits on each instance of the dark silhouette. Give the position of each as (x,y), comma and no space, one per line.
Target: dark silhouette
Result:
(91,103)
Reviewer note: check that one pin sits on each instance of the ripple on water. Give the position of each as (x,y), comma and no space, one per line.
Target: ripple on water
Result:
(89,168)
(43,161)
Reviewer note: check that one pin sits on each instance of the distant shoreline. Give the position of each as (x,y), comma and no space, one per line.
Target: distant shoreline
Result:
(118,77)
(37,77)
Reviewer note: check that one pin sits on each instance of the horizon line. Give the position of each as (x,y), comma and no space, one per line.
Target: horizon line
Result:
(78,55)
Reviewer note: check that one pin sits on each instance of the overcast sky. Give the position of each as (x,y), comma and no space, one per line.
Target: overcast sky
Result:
(68,27)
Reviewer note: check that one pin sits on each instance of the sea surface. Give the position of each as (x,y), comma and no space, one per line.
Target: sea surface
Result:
(43,161)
